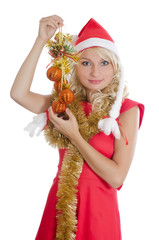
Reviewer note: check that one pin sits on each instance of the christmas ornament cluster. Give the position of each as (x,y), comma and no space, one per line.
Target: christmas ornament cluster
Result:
(63,54)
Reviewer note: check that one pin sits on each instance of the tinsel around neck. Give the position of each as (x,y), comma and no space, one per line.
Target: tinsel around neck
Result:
(87,125)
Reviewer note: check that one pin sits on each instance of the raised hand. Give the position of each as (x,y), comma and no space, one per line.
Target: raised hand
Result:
(48,27)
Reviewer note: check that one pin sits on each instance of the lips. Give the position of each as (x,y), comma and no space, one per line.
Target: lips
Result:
(95,81)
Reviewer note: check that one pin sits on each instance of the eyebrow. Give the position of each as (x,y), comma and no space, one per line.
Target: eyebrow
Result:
(86,58)
(91,59)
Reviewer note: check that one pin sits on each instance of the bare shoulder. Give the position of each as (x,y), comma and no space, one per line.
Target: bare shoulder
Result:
(130,117)
(123,154)
(130,125)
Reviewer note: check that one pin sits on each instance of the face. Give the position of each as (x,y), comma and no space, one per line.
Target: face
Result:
(93,72)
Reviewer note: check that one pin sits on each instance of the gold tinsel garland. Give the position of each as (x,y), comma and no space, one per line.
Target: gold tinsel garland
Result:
(72,165)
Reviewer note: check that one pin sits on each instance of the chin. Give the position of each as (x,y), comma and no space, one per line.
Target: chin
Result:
(97,88)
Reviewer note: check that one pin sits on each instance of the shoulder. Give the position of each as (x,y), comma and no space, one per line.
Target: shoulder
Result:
(130,109)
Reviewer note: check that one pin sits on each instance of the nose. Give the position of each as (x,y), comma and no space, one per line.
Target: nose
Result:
(94,71)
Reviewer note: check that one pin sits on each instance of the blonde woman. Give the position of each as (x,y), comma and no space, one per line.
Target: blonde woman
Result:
(96,144)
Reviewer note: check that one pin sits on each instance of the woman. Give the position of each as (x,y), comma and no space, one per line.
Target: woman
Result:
(94,156)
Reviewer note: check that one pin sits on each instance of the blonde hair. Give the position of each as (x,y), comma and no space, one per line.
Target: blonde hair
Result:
(98,98)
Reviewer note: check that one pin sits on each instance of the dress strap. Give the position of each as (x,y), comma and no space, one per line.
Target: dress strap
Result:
(128,104)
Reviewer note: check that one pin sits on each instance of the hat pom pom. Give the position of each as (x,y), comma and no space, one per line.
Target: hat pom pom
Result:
(109,125)
(39,121)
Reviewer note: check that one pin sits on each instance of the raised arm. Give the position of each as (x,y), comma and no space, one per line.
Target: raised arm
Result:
(20,91)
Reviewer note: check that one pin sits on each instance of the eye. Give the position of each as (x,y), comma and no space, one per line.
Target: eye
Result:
(104,63)
(86,63)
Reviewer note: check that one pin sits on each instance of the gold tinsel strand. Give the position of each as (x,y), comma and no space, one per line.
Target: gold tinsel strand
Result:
(67,203)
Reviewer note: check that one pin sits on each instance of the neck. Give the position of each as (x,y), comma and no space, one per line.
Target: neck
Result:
(89,93)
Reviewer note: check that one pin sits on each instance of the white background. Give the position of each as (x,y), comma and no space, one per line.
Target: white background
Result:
(28,165)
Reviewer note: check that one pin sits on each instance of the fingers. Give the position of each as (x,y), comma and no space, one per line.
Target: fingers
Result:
(54,21)
(63,126)
(54,18)
(57,120)
(70,114)
(52,116)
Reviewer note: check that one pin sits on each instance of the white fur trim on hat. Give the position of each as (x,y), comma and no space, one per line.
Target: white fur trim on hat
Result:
(110,124)
(115,110)
(96,42)
(39,121)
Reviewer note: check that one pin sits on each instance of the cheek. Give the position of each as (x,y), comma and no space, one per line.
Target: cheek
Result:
(109,74)
(81,74)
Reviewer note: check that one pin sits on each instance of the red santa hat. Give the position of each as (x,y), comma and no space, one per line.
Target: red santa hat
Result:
(94,35)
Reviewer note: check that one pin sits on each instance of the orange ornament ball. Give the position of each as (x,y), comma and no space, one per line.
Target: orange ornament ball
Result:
(57,86)
(66,96)
(54,74)
(58,107)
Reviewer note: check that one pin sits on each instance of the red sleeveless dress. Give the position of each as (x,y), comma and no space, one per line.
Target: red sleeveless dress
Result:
(97,208)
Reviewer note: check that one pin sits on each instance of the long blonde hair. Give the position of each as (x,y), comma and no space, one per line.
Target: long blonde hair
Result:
(97,98)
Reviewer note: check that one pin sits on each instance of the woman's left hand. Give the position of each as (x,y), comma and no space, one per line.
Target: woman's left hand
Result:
(69,127)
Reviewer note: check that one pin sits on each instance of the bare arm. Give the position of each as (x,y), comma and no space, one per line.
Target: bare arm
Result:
(114,170)
(20,90)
